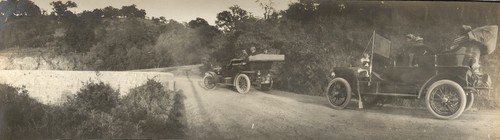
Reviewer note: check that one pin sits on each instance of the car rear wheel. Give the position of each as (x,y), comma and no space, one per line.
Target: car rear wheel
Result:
(242,83)
(470,101)
(267,87)
(338,93)
(446,99)
(209,81)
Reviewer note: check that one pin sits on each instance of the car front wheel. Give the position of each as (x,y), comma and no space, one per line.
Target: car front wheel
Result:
(446,99)
(338,93)
(209,82)
(242,83)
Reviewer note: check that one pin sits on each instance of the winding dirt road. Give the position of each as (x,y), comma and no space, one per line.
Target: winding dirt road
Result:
(224,114)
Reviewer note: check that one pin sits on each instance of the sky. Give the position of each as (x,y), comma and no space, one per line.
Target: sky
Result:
(179,10)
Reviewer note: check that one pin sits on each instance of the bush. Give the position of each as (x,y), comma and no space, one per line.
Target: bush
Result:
(143,113)
(95,112)
(96,96)
(148,106)
(20,115)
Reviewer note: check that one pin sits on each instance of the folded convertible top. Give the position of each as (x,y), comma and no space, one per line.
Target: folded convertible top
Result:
(267,57)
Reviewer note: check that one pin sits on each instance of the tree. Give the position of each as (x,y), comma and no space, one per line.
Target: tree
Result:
(225,21)
(198,22)
(303,11)
(205,32)
(18,8)
(110,12)
(163,19)
(92,17)
(229,20)
(155,20)
(60,9)
(269,11)
(27,8)
(132,12)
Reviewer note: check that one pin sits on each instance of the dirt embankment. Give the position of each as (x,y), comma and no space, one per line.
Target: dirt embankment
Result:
(50,86)
(33,59)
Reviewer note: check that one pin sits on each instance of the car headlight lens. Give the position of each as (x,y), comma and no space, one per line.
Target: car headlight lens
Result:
(332,74)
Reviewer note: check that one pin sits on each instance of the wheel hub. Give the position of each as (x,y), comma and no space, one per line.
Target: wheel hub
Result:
(335,93)
(445,99)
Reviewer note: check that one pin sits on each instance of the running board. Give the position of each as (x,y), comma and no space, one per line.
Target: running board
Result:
(392,94)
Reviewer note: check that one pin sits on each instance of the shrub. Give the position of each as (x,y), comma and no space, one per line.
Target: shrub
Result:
(148,106)
(95,112)
(20,115)
(96,96)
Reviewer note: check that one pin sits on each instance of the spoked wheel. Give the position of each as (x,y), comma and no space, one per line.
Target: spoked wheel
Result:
(267,87)
(242,83)
(470,101)
(338,93)
(209,81)
(445,99)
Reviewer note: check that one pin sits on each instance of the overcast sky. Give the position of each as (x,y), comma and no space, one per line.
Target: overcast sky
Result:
(179,10)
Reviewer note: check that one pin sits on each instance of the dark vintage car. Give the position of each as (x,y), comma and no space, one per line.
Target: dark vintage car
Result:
(447,81)
(242,73)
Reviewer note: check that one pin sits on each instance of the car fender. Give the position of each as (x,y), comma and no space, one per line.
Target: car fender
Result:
(461,81)
(210,73)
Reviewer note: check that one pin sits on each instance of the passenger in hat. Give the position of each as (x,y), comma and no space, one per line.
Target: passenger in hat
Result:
(253,51)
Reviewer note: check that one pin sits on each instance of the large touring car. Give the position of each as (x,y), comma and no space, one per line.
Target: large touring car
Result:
(448,81)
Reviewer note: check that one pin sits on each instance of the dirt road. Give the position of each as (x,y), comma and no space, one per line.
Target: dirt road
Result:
(224,114)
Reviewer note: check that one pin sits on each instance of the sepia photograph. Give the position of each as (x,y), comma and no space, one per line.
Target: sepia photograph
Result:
(249,69)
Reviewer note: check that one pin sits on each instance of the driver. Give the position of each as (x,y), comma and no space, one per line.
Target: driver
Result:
(365,60)
(244,54)
(253,51)
(365,64)
(416,48)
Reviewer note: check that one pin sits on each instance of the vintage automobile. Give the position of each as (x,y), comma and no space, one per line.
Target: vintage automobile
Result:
(448,81)
(242,73)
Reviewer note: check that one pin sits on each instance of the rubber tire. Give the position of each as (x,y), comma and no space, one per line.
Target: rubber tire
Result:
(470,101)
(348,96)
(205,78)
(461,94)
(236,83)
(267,87)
